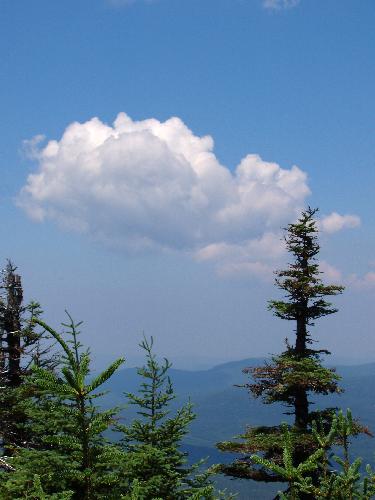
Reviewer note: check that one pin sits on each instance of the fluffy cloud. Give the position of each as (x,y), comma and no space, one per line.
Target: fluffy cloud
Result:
(254,257)
(335,222)
(151,184)
(362,283)
(280,4)
(147,183)
(331,273)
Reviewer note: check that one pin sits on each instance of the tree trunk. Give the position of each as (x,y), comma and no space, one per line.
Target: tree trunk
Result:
(11,358)
(301,403)
(301,410)
(12,327)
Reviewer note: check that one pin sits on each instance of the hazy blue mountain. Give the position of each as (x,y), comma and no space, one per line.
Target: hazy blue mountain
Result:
(188,382)
(223,410)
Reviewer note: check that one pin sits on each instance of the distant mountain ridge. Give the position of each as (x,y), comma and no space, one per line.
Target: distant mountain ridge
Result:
(223,410)
(214,389)
(220,376)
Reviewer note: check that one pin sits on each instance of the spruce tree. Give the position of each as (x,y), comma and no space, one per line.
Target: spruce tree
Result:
(324,475)
(297,373)
(69,455)
(155,465)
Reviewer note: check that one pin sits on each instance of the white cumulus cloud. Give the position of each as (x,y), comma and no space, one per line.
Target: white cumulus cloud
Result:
(256,257)
(156,185)
(280,4)
(335,222)
(146,184)
(141,184)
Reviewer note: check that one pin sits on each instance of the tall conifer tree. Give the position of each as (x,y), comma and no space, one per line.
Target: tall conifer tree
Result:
(291,377)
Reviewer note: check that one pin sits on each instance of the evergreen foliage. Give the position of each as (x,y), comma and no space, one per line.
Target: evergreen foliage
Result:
(322,476)
(155,465)
(70,456)
(291,377)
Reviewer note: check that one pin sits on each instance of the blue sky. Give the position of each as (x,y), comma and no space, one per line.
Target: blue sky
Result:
(147,224)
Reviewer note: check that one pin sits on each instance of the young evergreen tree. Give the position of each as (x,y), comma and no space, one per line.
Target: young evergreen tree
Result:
(155,465)
(69,455)
(321,475)
(291,377)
